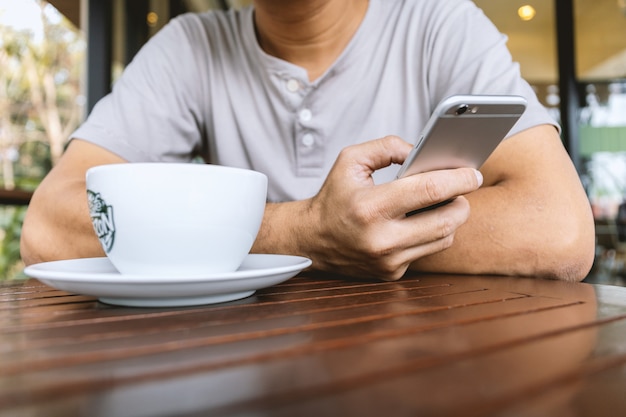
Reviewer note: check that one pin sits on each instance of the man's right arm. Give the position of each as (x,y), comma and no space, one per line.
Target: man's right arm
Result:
(351,226)
(57,223)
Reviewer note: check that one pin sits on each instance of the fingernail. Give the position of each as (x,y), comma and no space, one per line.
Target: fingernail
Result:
(479,177)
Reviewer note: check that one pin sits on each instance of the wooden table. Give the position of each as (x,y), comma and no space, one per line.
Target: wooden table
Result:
(322,345)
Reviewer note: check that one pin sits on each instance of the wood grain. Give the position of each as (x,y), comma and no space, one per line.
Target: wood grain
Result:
(320,345)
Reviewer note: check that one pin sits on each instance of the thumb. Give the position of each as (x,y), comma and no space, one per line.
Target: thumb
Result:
(370,156)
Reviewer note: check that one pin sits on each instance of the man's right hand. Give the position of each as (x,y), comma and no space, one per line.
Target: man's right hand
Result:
(355,227)
(351,226)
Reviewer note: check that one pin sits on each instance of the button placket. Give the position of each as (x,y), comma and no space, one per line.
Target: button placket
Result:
(309,150)
(309,153)
(305,128)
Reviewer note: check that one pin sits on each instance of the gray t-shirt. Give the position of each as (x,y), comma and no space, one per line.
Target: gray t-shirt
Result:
(202,86)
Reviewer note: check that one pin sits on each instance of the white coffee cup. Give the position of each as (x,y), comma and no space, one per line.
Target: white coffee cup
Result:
(175,219)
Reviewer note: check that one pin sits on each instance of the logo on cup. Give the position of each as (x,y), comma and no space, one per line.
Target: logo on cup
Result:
(102,219)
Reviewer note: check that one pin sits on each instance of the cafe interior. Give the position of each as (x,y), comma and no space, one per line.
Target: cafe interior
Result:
(79,342)
(573,53)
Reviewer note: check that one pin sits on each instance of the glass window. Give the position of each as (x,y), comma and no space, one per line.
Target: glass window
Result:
(601,69)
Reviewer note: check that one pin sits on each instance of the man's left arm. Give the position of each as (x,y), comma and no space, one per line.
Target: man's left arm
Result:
(531,217)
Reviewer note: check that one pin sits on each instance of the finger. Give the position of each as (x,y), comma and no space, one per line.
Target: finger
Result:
(405,195)
(410,238)
(433,225)
(370,156)
(431,234)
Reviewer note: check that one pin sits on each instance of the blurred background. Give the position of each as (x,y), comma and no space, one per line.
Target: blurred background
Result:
(58,57)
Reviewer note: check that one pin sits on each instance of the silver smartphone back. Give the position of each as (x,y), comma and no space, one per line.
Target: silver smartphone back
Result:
(462,132)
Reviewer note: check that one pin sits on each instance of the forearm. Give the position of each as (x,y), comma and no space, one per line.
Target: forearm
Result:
(58,226)
(284,229)
(499,238)
(536,222)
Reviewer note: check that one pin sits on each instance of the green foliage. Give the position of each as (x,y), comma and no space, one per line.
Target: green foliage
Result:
(40,105)
(11,218)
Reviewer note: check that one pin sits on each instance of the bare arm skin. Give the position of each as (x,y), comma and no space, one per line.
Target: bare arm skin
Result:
(57,223)
(351,226)
(356,228)
(531,217)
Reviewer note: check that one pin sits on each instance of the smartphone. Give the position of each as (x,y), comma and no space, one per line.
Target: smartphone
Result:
(462,132)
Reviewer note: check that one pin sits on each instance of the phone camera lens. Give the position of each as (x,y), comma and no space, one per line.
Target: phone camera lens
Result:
(462,109)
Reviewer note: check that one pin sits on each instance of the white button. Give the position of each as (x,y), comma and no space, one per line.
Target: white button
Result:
(308,140)
(305,115)
(293,85)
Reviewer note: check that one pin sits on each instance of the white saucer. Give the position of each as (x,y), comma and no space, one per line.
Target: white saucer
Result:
(98,277)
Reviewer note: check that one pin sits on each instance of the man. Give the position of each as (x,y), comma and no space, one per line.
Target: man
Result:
(300,90)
